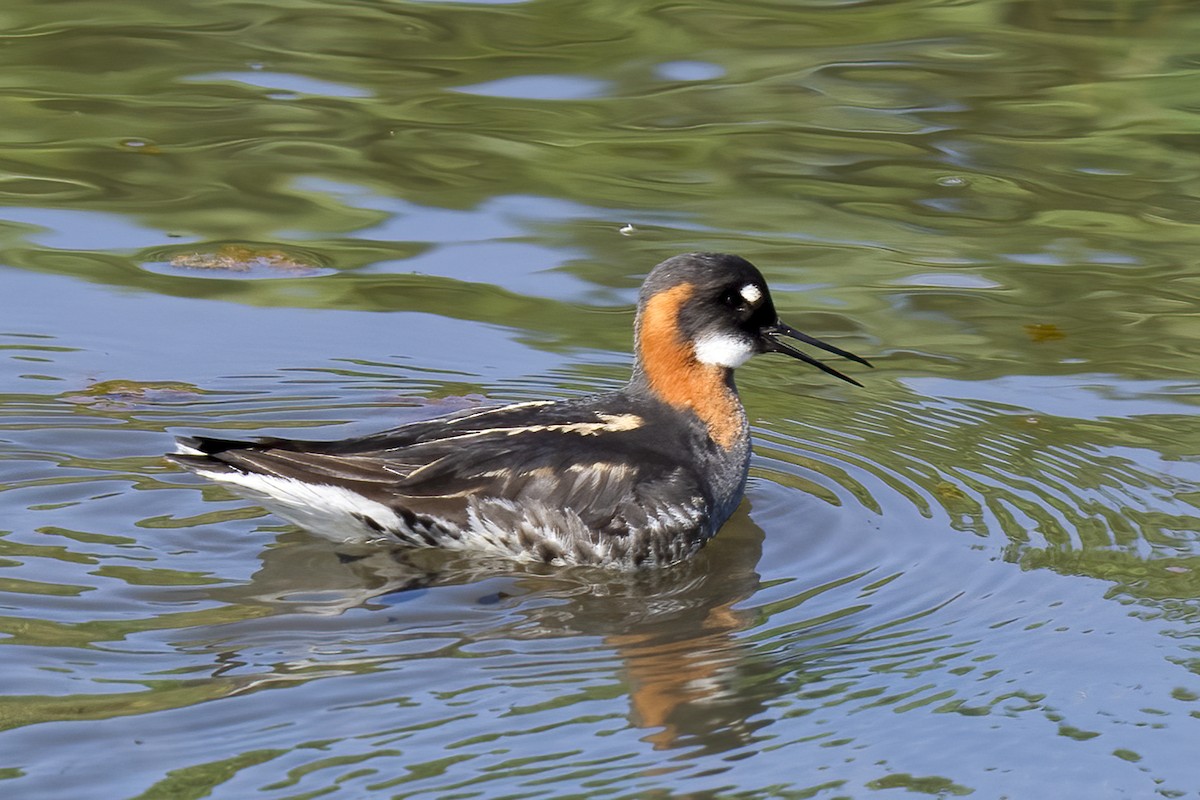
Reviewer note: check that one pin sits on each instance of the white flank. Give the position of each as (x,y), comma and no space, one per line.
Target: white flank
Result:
(527,531)
(723,350)
(183,450)
(331,511)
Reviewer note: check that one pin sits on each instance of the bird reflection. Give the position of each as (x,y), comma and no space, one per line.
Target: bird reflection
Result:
(673,630)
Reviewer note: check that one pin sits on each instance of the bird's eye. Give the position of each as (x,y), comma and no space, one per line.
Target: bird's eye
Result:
(743,299)
(735,301)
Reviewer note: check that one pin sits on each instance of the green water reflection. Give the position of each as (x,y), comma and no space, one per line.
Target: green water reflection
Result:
(979,574)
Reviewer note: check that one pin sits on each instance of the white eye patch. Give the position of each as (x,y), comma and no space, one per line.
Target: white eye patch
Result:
(751,294)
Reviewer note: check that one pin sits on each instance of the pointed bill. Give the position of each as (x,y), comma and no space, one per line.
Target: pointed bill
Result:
(774,344)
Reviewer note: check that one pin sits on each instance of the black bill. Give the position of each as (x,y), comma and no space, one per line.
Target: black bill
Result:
(774,344)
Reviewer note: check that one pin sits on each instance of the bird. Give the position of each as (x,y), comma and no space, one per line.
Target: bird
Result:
(642,476)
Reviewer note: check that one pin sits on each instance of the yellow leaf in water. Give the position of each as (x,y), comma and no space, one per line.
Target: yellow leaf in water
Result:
(1044,332)
(948,491)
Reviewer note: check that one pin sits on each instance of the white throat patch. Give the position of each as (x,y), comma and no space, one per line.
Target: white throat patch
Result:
(724,349)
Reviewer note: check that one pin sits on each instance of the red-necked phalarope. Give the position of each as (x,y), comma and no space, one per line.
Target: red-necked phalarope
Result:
(640,476)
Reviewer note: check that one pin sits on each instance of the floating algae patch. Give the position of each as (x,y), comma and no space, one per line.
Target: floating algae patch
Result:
(236,260)
(127,394)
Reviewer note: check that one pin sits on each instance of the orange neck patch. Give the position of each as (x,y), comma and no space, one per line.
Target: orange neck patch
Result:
(677,378)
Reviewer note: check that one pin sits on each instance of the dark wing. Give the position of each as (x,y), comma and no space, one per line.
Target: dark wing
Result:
(615,475)
(465,421)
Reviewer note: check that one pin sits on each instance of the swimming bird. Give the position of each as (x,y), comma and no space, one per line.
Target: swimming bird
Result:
(641,476)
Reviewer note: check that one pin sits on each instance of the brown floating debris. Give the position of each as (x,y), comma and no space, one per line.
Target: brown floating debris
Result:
(245,258)
(1044,332)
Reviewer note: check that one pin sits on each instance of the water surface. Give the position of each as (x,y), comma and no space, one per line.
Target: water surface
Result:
(976,575)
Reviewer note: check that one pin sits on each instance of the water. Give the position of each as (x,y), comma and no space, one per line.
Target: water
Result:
(977,575)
